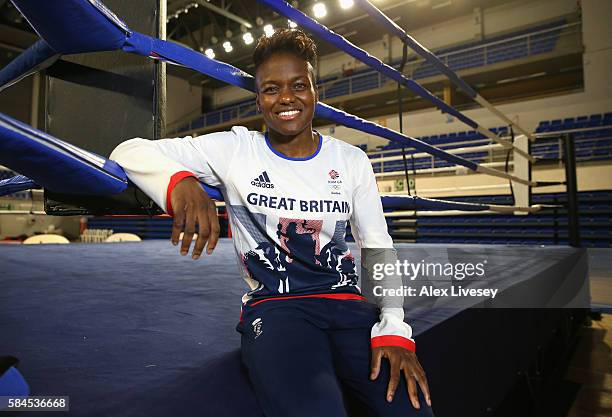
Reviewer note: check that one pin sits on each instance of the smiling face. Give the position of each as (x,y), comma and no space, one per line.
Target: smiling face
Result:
(286,94)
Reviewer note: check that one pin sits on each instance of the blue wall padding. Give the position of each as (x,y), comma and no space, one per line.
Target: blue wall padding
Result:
(74,26)
(37,57)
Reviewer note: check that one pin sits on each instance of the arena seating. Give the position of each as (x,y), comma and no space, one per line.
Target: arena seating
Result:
(500,48)
(547,227)
(147,227)
(6,174)
(533,41)
(591,145)
(444,141)
(527,42)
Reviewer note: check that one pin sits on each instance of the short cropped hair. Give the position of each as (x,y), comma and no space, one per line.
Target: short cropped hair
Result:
(292,41)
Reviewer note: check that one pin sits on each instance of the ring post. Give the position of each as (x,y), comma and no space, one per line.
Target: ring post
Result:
(569,159)
(522,169)
(97,100)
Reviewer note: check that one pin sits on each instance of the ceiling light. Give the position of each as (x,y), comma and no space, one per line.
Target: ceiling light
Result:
(319,10)
(227,45)
(268,30)
(292,24)
(346,4)
(247,38)
(442,4)
(209,53)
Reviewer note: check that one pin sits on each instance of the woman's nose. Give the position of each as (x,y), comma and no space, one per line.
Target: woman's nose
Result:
(287,96)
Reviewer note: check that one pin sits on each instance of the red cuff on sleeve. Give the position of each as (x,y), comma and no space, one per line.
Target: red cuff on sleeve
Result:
(400,341)
(175,179)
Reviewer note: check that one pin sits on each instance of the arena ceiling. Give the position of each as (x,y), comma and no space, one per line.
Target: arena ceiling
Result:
(214,22)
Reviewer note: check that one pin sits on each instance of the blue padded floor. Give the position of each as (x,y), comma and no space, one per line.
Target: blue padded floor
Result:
(114,328)
(134,329)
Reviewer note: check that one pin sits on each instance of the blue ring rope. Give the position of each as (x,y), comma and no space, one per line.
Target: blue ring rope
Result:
(341,43)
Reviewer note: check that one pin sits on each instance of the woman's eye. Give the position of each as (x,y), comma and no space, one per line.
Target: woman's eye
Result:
(299,86)
(270,90)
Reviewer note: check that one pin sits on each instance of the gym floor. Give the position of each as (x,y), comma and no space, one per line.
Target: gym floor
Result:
(591,366)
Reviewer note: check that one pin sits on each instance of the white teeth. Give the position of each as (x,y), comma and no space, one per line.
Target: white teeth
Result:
(288,113)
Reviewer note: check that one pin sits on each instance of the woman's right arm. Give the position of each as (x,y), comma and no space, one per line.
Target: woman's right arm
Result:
(169,171)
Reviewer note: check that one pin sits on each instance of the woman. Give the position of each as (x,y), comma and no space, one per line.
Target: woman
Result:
(307,334)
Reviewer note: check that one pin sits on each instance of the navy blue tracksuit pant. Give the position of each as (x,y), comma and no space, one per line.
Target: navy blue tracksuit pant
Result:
(310,357)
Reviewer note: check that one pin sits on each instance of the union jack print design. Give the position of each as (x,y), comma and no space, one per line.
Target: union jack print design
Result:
(299,261)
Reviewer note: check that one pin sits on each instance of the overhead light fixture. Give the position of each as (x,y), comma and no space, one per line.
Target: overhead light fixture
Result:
(346,4)
(214,40)
(319,10)
(442,4)
(292,24)
(247,38)
(227,46)
(268,30)
(209,53)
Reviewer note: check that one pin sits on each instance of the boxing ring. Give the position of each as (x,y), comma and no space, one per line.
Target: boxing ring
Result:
(106,328)
(109,326)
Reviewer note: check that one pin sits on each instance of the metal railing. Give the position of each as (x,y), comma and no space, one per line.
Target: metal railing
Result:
(506,49)
(489,53)
(598,147)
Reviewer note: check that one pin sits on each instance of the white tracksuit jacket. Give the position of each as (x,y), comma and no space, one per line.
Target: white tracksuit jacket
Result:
(288,215)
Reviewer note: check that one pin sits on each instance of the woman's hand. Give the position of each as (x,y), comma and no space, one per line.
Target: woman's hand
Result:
(401,359)
(191,204)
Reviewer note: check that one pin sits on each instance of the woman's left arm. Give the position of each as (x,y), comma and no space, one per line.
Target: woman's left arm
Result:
(391,337)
